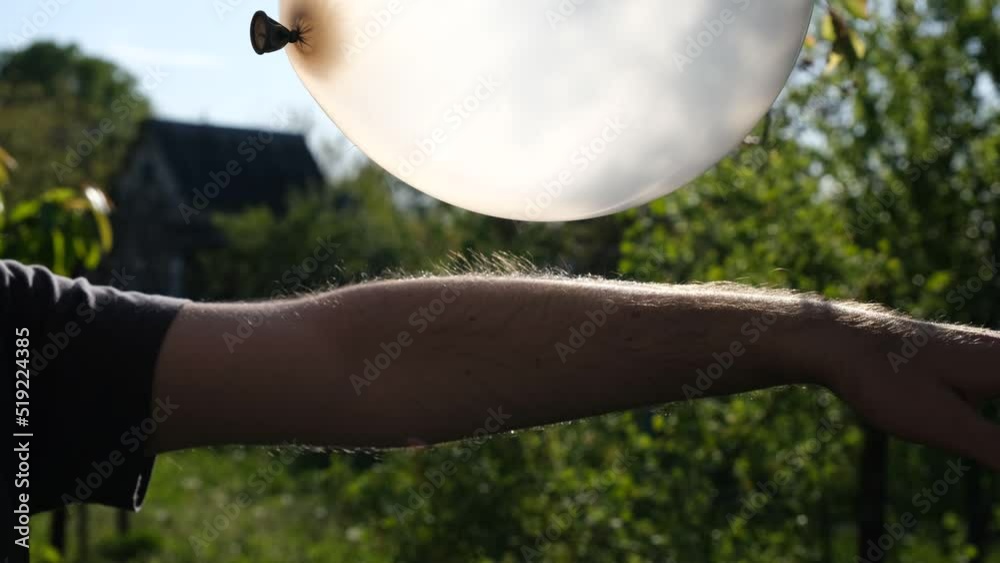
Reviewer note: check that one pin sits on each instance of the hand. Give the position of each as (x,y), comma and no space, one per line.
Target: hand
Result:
(926,384)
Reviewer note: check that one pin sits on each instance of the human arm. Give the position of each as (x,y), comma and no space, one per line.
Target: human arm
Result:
(469,344)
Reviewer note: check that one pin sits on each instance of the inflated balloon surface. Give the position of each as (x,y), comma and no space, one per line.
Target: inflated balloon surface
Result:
(546,110)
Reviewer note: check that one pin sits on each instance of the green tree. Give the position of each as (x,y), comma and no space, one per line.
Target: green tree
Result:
(913,142)
(890,198)
(69,117)
(875,178)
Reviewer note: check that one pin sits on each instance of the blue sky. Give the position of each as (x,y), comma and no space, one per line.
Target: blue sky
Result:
(199,48)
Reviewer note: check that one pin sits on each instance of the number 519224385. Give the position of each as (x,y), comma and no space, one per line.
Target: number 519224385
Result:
(22,356)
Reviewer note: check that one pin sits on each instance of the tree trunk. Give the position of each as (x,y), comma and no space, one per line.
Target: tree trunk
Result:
(872,490)
(977,512)
(826,528)
(82,533)
(123,522)
(58,530)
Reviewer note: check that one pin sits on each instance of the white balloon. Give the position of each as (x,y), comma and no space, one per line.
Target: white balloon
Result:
(546,110)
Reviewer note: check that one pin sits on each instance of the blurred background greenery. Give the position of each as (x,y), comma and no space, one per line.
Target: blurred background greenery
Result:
(875,177)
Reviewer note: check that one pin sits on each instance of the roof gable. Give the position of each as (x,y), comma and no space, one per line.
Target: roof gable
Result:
(257,167)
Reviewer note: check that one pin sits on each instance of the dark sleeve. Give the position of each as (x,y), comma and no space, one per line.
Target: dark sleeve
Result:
(93,353)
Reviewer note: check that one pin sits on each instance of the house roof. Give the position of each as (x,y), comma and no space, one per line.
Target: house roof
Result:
(271,163)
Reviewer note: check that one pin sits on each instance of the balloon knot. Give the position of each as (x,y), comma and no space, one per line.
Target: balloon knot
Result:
(268,35)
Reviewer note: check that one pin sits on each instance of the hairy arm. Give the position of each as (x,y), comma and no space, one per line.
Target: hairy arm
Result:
(429,360)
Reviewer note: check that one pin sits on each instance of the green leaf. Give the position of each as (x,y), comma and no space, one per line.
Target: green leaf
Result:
(857,8)
(25,210)
(59,252)
(6,160)
(858,44)
(100,208)
(104,231)
(827,29)
(939,282)
(833,61)
(59,195)
(93,258)
(7,165)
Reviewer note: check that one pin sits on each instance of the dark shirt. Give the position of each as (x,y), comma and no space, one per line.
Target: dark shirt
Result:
(92,351)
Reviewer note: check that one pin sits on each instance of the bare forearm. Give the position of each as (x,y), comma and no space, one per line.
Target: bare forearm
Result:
(425,360)
(437,359)
(549,351)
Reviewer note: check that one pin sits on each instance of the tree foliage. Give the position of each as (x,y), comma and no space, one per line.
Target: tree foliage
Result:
(67,116)
(875,177)
(67,229)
